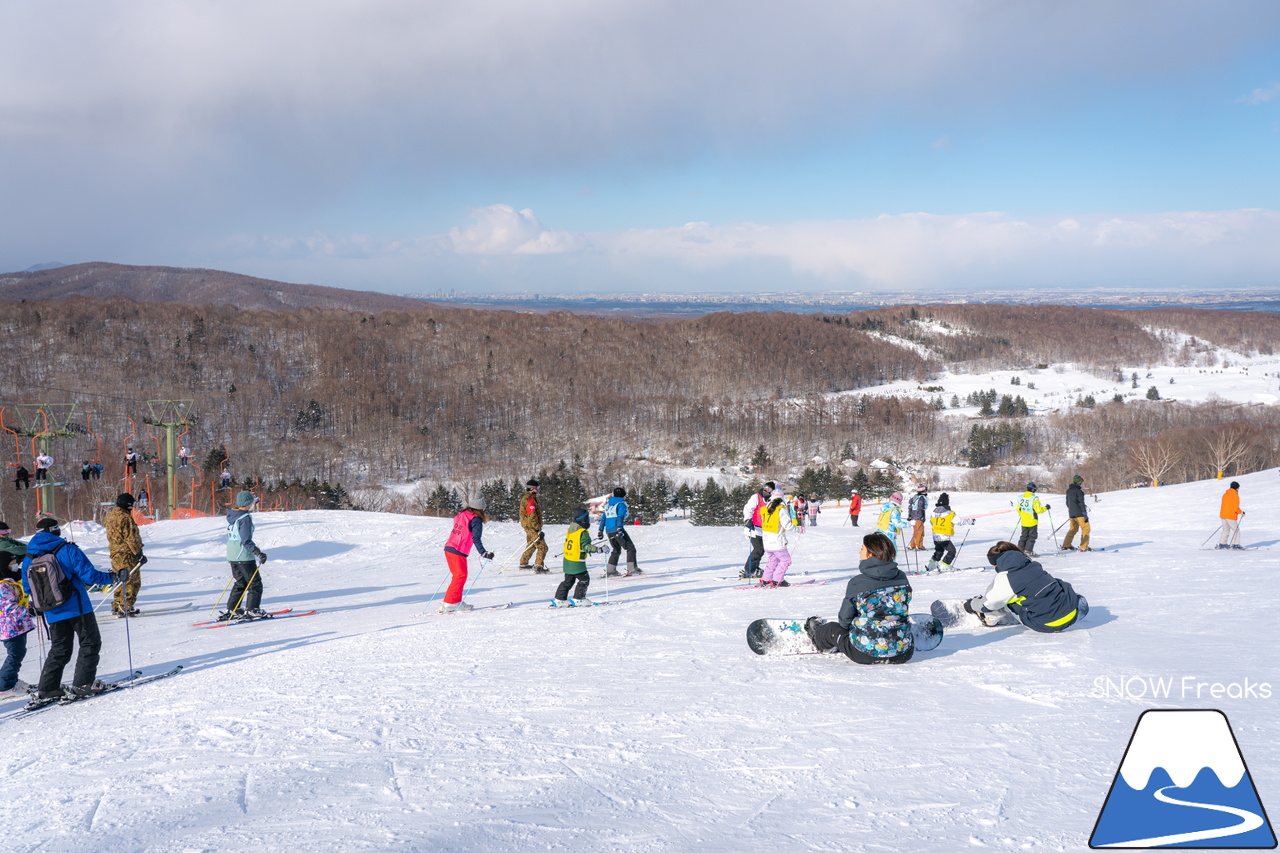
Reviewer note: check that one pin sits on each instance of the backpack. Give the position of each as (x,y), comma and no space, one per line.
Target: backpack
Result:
(50,586)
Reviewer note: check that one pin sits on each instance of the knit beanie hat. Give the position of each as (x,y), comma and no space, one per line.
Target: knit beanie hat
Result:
(944,500)
(1234,484)
(245,498)
(896,498)
(124,500)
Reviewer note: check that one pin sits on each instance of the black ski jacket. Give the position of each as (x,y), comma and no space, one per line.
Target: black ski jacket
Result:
(1075,502)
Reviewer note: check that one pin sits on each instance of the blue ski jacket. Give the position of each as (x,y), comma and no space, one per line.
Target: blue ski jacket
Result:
(75,565)
(614,517)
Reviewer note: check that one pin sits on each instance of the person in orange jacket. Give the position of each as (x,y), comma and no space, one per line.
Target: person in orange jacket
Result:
(1231,513)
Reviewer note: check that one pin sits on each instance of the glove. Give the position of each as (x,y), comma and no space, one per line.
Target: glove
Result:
(541,535)
(748,525)
(600,536)
(140,560)
(262,557)
(1048,507)
(122,575)
(488,555)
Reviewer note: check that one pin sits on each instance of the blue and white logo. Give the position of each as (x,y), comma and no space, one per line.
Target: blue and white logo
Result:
(1183,783)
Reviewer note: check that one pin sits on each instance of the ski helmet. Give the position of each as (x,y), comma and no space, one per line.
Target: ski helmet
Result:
(619,492)
(770,485)
(1077,479)
(582,516)
(1031,487)
(854,492)
(49,524)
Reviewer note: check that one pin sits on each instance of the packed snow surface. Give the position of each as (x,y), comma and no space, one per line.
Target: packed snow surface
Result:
(647,725)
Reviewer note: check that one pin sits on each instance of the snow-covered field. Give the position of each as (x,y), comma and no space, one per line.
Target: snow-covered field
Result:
(643,726)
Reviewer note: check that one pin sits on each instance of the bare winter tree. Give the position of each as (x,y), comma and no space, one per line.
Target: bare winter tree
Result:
(1152,458)
(1228,443)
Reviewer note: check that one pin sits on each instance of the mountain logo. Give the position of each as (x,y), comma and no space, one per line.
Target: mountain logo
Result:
(1183,783)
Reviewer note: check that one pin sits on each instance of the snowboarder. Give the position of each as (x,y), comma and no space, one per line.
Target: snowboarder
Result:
(751,521)
(1078,516)
(1231,513)
(21,478)
(613,523)
(70,621)
(775,521)
(1029,509)
(1022,587)
(531,522)
(246,559)
(468,527)
(917,509)
(815,507)
(855,506)
(944,525)
(15,624)
(43,463)
(577,545)
(873,626)
(124,543)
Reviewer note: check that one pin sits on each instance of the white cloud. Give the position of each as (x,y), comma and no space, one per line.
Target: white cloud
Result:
(1260,96)
(500,229)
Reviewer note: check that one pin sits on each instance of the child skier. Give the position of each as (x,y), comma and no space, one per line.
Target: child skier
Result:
(15,624)
(890,522)
(873,626)
(468,527)
(1022,587)
(944,525)
(577,545)
(613,523)
(775,520)
(246,559)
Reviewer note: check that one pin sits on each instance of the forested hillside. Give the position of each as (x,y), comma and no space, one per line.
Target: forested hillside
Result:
(451,395)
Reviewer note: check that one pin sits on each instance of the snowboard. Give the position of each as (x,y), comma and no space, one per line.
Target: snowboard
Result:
(787,636)
(951,614)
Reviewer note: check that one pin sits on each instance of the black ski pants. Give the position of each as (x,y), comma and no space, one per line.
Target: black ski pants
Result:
(583,580)
(944,547)
(1027,541)
(752,569)
(61,637)
(620,541)
(247,578)
(829,635)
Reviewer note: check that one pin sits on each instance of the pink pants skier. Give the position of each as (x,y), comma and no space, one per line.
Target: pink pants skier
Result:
(776,568)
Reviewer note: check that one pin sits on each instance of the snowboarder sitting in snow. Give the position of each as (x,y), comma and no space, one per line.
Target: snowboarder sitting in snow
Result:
(873,626)
(775,521)
(1022,587)
(577,545)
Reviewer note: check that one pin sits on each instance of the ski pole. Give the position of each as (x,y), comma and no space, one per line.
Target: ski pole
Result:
(483,563)
(246,588)
(447,575)
(956,558)
(1215,532)
(1055,532)
(128,642)
(218,600)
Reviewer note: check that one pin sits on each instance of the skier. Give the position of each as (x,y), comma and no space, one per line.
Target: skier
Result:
(124,543)
(1231,513)
(468,527)
(531,521)
(872,626)
(15,624)
(751,521)
(21,478)
(246,559)
(775,520)
(613,523)
(144,500)
(184,456)
(10,549)
(70,621)
(86,471)
(1022,587)
(224,480)
(1079,516)
(917,508)
(131,460)
(944,525)
(97,471)
(43,463)
(890,522)
(799,509)
(815,507)
(1029,509)
(577,545)
(855,506)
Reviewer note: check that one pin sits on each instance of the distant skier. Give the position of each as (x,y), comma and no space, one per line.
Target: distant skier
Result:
(943,522)
(21,478)
(917,509)
(890,522)
(224,480)
(751,521)
(468,528)
(577,545)
(613,524)
(775,523)
(1022,587)
(855,506)
(184,456)
(246,559)
(1029,509)
(70,621)
(873,626)
(124,544)
(43,463)
(815,507)
(97,471)
(131,458)
(144,501)
(86,471)
(1078,513)
(799,509)
(531,522)
(1231,513)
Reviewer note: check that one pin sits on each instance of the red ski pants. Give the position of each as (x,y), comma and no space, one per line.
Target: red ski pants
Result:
(457,568)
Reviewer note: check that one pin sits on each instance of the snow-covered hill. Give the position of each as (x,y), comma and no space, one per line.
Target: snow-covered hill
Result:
(647,725)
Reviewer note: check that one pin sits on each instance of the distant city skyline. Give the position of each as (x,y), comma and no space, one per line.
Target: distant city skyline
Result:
(572,147)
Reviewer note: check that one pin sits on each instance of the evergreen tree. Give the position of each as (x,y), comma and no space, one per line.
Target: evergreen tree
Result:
(1153,393)
(709,504)
(861,483)
(760,459)
(503,506)
(883,484)
(684,498)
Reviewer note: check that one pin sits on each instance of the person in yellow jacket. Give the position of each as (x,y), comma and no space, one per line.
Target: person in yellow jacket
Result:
(1029,509)
(944,523)
(1231,513)
(124,543)
(577,545)
(531,522)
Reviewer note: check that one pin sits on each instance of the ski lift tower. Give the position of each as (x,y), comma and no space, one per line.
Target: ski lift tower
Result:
(171,414)
(45,423)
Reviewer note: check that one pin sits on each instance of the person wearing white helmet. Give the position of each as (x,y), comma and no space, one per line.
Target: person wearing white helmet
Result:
(468,527)
(855,506)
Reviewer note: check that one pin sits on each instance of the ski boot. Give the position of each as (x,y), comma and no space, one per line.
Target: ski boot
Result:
(1071,548)
(524,567)
(76,694)
(632,569)
(1237,547)
(256,613)
(612,572)
(780,584)
(459,607)
(559,603)
(581,602)
(42,699)
(931,566)
(226,616)
(541,570)
(944,567)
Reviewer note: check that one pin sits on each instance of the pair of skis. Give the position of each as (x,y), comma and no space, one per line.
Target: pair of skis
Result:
(287,613)
(135,679)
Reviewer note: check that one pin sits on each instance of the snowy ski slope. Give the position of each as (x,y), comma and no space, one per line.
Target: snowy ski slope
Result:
(643,726)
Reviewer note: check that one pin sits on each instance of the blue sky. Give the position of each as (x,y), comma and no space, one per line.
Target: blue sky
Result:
(627,146)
